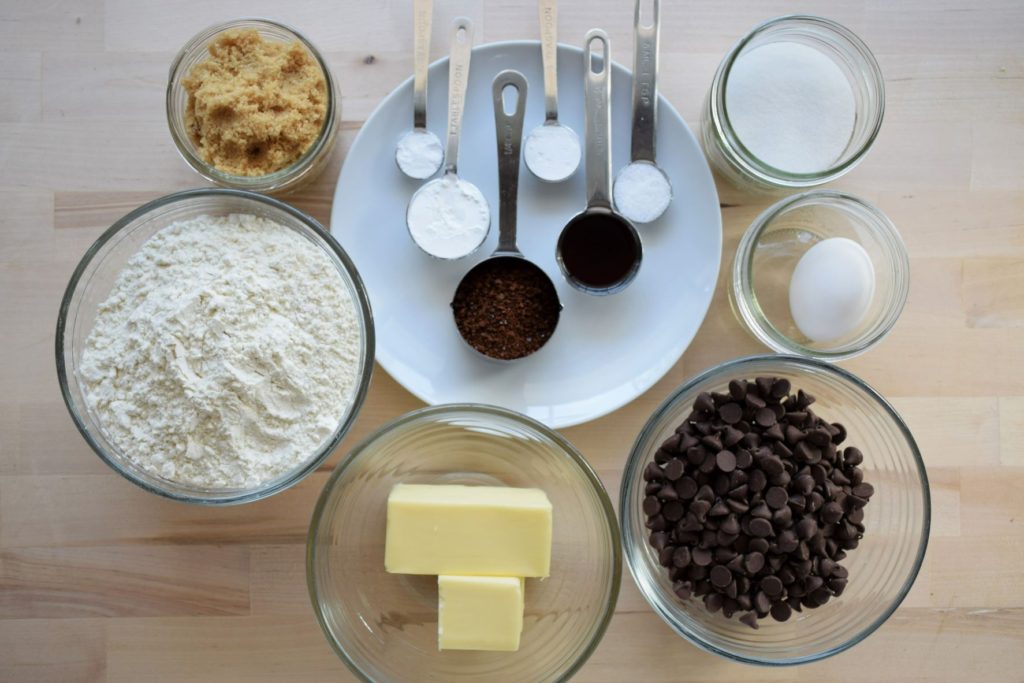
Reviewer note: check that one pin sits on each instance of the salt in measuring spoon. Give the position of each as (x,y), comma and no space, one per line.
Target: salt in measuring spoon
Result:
(448,217)
(506,271)
(642,190)
(599,251)
(419,153)
(552,150)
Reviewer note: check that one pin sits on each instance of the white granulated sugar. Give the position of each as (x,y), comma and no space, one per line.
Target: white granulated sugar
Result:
(791,106)
(642,192)
(448,217)
(552,152)
(419,154)
(226,353)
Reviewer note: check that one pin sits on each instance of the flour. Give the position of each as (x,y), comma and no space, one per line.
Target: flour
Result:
(552,152)
(225,355)
(642,192)
(448,217)
(419,154)
(791,106)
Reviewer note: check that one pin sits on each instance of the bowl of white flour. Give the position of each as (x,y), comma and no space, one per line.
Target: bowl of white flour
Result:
(214,346)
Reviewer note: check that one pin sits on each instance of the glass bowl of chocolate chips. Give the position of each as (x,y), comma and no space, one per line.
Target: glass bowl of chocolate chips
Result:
(775,510)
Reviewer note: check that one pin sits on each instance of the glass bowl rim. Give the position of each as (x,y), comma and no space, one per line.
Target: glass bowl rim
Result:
(638,458)
(427,413)
(271,182)
(881,226)
(749,162)
(360,299)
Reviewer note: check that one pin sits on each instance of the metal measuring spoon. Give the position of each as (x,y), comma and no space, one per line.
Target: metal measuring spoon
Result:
(552,150)
(599,251)
(642,190)
(499,274)
(419,153)
(448,217)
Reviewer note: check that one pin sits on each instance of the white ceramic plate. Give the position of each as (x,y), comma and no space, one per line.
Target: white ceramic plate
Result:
(606,350)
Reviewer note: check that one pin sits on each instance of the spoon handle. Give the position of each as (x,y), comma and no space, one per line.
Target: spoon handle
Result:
(509,128)
(645,83)
(458,78)
(597,129)
(549,56)
(422,13)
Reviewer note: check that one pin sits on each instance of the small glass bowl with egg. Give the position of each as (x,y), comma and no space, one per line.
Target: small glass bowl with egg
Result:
(821,274)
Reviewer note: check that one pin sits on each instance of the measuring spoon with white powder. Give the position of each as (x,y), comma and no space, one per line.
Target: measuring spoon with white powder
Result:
(642,190)
(552,150)
(448,217)
(419,153)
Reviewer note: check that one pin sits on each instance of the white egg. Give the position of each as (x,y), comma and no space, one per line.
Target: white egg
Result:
(831,289)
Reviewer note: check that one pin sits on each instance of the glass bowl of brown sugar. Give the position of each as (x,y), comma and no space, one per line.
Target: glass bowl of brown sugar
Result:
(252,105)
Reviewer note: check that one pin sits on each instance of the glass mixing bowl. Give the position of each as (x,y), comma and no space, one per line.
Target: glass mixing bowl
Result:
(95,276)
(384,626)
(882,569)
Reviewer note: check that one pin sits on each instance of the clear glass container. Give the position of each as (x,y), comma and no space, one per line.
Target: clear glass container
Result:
(96,274)
(726,152)
(285,180)
(882,568)
(772,246)
(384,626)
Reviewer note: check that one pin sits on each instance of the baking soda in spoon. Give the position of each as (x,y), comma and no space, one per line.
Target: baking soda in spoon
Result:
(791,106)
(419,153)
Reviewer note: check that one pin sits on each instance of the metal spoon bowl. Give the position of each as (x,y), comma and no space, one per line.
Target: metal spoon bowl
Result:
(507,258)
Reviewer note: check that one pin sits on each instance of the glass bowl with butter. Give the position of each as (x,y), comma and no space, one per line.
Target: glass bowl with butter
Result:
(367,537)
(251,105)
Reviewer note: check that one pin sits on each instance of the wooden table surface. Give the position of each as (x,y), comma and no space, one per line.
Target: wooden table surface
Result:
(102,581)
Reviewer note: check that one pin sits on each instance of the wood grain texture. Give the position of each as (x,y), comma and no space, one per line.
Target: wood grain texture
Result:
(100,581)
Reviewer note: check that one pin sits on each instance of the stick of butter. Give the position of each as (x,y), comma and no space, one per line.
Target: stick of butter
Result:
(468,530)
(479,612)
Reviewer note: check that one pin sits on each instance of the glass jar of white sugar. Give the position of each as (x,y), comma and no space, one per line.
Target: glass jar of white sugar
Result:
(796,103)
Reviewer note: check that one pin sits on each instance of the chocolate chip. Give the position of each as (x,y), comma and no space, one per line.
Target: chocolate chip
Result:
(720,576)
(765,417)
(864,490)
(681,557)
(731,413)
(686,488)
(750,619)
(776,497)
(753,562)
(674,470)
(781,611)
(653,473)
(652,506)
(673,510)
(704,403)
(726,460)
(760,527)
(772,586)
(701,556)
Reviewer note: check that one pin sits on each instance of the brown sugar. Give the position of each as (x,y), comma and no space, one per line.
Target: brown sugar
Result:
(255,106)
